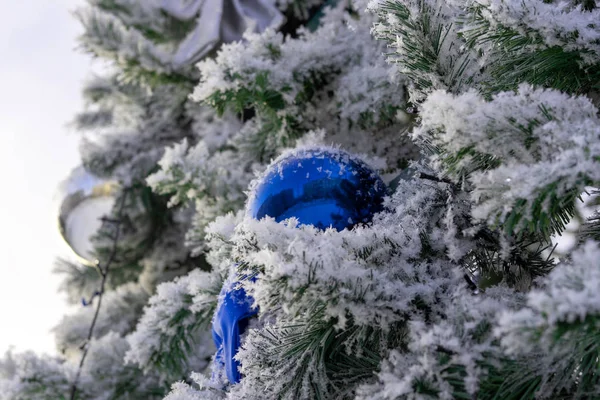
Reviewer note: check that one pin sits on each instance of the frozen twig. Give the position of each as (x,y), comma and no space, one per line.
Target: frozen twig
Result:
(103,270)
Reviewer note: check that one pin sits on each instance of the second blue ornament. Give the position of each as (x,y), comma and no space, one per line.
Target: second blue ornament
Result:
(323,187)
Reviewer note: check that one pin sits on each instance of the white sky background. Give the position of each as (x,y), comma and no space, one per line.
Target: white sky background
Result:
(41,77)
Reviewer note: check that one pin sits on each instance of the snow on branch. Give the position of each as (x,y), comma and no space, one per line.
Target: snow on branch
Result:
(425,45)
(201,390)
(29,376)
(559,24)
(213,181)
(295,85)
(448,358)
(106,36)
(371,274)
(558,328)
(528,154)
(171,333)
(570,296)
(121,309)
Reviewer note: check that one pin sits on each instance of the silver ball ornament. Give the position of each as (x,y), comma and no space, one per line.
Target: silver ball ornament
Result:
(84,200)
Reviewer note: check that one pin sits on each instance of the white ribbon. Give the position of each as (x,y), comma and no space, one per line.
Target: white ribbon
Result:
(220,21)
(182,9)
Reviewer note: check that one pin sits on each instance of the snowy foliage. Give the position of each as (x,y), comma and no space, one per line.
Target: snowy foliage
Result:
(28,376)
(171,335)
(161,40)
(204,391)
(119,314)
(129,148)
(360,274)
(191,173)
(426,45)
(491,45)
(314,81)
(107,36)
(208,180)
(569,296)
(339,285)
(212,129)
(448,356)
(522,152)
(218,239)
(172,329)
(169,256)
(560,324)
(112,377)
(564,24)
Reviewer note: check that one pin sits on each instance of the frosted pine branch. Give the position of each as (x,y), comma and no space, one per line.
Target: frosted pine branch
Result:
(523,152)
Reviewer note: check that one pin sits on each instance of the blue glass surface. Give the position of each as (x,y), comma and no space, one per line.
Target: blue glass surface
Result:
(324,188)
(229,323)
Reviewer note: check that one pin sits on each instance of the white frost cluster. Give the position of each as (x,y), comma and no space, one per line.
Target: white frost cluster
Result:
(120,310)
(289,61)
(130,147)
(28,376)
(218,241)
(366,87)
(464,336)
(214,131)
(429,61)
(340,46)
(201,390)
(192,171)
(327,268)
(109,37)
(539,137)
(108,374)
(195,293)
(371,273)
(569,296)
(555,333)
(556,24)
(213,182)
(104,376)
(181,165)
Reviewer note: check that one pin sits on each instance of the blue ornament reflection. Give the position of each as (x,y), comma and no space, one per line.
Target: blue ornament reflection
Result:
(320,187)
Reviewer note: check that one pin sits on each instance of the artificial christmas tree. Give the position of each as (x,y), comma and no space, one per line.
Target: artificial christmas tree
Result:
(480,116)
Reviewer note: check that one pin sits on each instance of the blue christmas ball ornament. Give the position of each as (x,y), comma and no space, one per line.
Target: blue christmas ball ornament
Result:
(230,321)
(322,187)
